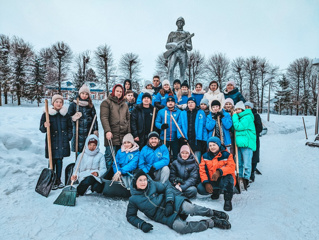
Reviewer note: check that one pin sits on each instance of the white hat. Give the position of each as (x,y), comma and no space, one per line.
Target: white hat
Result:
(165,82)
(240,104)
(232,83)
(56,97)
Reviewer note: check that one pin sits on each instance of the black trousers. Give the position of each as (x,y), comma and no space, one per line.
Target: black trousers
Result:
(89,181)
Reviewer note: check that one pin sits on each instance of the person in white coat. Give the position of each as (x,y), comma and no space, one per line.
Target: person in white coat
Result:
(91,168)
(214,93)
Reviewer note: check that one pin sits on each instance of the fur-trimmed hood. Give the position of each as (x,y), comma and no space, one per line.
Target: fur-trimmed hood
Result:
(201,92)
(63,111)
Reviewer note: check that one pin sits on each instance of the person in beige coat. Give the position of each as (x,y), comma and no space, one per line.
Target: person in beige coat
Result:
(214,93)
(115,119)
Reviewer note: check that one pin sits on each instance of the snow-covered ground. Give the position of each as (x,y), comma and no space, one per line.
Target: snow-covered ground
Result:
(283,203)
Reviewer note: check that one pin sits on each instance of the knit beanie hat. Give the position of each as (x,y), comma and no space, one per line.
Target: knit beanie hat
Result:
(213,82)
(137,174)
(56,97)
(204,101)
(214,140)
(176,81)
(170,98)
(232,83)
(84,89)
(146,83)
(229,100)
(92,140)
(165,82)
(215,103)
(128,138)
(240,104)
(185,84)
(153,134)
(185,148)
(249,104)
(146,95)
(191,99)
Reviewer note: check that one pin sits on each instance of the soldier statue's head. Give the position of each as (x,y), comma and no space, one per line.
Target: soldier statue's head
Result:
(180,21)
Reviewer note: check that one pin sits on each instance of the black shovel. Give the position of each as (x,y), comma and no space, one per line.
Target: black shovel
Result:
(47,177)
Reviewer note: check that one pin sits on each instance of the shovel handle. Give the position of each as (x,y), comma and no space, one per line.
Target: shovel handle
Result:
(47,120)
(77,131)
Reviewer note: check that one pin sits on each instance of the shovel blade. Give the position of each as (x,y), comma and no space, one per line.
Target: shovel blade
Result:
(45,182)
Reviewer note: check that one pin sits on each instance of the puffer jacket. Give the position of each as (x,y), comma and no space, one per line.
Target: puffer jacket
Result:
(226,123)
(127,160)
(245,129)
(235,95)
(171,131)
(153,157)
(92,161)
(144,90)
(187,170)
(160,101)
(61,132)
(222,162)
(215,95)
(198,96)
(85,122)
(115,118)
(151,201)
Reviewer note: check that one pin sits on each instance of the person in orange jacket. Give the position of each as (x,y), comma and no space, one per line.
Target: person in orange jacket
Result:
(217,172)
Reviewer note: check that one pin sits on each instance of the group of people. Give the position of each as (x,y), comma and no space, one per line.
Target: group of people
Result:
(166,145)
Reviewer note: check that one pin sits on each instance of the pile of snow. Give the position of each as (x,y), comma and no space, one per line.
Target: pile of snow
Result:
(281,204)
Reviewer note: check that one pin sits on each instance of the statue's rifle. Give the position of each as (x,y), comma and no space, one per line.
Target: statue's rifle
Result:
(169,52)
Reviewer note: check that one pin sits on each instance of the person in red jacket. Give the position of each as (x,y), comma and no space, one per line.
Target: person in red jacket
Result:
(217,172)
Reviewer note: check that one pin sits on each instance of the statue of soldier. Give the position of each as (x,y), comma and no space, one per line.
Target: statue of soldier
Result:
(180,54)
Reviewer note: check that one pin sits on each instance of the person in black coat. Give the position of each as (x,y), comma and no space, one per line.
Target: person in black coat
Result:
(259,128)
(85,115)
(141,120)
(61,133)
(164,204)
(184,173)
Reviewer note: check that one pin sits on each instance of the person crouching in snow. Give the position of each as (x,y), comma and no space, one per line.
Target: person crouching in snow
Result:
(61,133)
(92,167)
(164,204)
(217,172)
(126,160)
(184,173)
(154,159)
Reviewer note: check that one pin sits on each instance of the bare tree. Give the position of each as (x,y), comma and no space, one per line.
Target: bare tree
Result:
(218,67)
(196,68)
(90,76)
(22,54)
(251,69)
(104,64)
(161,66)
(238,65)
(62,57)
(5,69)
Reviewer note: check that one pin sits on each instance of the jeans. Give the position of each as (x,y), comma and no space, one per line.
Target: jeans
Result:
(198,155)
(89,181)
(109,160)
(225,183)
(244,162)
(57,166)
(188,208)
(173,145)
(162,174)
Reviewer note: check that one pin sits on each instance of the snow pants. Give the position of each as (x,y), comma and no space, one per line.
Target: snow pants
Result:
(225,183)
(188,208)
(89,181)
(57,166)
(162,174)
(244,161)
(190,192)
(173,145)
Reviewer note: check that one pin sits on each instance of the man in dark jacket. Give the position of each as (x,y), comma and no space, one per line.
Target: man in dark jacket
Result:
(163,204)
(157,85)
(141,120)
(259,128)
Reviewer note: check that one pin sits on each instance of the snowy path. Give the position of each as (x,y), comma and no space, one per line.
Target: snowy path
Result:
(281,204)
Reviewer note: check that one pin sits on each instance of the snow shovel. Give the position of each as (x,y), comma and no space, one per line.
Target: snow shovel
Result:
(69,169)
(47,177)
(239,181)
(153,118)
(68,195)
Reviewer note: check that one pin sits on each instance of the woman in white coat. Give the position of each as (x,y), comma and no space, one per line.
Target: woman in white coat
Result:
(91,168)
(214,93)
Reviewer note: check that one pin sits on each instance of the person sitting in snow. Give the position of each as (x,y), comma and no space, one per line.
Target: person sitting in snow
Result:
(184,173)
(61,133)
(154,159)
(217,172)
(92,167)
(126,160)
(164,204)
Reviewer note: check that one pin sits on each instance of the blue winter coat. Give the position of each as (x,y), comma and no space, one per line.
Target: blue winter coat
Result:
(139,98)
(157,158)
(226,123)
(183,100)
(187,170)
(200,125)
(198,97)
(127,161)
(151,201)
(235,95)
(171,131)
(162,99)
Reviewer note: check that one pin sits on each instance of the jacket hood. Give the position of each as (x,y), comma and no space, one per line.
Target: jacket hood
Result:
(97,149)
(63,111)
(247,112)
(135,191)
(190,160)
(150,91)
(125,81)
(113,92)
(216,92)
(201,92)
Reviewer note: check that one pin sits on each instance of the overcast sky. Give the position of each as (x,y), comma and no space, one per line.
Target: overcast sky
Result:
(280,31)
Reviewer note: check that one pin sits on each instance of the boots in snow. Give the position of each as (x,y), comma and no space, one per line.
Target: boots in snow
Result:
(246,183)
(220,215)
(228,205)
(221,223)
(252,177)
(215,194)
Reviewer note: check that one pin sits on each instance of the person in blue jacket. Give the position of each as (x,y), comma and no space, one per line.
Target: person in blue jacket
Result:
(233,92)
(164,204)
(154,159)
(148,89)
(192,122)
(182,95)
(171,129)
(126,160)
(198,93)
(163,94)
(219,117)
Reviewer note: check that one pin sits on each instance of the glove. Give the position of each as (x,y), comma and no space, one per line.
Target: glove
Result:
(209,188)
(169,209)
(76,116)
(220,114)
(164,126)
(151,172)
(179,180)
(146,227)
(183,140)
(216,175)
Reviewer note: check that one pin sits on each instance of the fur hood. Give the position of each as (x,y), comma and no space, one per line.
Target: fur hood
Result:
(216,92)
(63,111)
(201,92)
(132,149)
(180,93)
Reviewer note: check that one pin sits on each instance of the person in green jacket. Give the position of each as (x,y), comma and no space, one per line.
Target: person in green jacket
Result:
(245,137)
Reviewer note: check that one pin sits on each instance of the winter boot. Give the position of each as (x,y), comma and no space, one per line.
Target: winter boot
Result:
(220,215)
(221,223)
(246,183)
(252,177)
(228,205)
(209,222)
(215,194)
